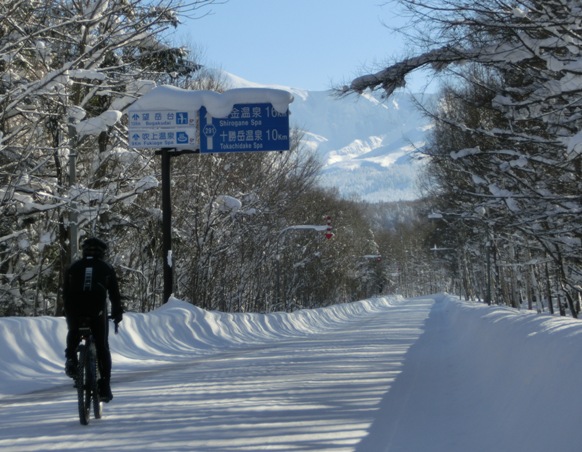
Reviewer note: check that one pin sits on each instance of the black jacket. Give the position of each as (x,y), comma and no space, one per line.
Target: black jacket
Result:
(86,285)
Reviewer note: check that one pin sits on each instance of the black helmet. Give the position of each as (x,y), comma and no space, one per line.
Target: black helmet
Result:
(94,247)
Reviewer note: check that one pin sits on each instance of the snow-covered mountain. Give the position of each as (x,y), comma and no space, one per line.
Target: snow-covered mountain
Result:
(368,146)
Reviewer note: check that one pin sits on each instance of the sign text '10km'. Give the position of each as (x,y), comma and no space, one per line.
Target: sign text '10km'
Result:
(248,128)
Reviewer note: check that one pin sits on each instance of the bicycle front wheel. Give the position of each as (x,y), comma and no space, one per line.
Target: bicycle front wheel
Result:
(83,386)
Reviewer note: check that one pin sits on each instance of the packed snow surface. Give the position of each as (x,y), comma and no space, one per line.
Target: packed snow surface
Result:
(387,374)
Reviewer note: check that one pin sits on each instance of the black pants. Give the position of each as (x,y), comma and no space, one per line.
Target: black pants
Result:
(100,328)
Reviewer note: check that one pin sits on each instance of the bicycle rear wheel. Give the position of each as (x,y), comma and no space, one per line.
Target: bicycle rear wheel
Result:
(94,379)
(83,386)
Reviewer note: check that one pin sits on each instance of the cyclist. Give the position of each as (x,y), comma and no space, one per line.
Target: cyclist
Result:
(86,285)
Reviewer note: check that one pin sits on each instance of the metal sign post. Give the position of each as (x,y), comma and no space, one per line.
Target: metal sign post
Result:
(167,131)
(167,224)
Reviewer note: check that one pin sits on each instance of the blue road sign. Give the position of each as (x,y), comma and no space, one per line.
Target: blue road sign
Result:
(248,128)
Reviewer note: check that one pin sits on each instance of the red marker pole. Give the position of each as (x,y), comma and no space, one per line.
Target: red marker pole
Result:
(328,233)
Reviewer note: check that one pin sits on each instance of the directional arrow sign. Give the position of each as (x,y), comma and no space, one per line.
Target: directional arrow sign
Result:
(163,138)
(161,119)
(248,128)
(162,129)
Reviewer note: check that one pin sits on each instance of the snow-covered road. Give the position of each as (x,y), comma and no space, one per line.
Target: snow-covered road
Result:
(414,375)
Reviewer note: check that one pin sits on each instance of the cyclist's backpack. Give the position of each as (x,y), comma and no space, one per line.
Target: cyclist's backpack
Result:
(90,292)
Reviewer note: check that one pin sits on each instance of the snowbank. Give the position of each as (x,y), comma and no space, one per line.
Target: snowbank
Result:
(32,349)
(503,342)
(355,377)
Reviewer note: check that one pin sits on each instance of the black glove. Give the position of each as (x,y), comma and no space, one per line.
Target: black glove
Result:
(117,316)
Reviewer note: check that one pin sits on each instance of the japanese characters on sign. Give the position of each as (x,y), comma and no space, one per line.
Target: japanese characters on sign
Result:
(184,138)
(162,129)
(248,128)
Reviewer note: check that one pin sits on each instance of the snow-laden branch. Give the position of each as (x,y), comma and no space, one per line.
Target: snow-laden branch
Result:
(394,76)
(98,124)
(13,235)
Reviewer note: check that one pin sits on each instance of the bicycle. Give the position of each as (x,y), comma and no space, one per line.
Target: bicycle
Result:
(87,379)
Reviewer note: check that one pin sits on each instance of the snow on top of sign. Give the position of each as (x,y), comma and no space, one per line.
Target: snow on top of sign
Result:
(219,105)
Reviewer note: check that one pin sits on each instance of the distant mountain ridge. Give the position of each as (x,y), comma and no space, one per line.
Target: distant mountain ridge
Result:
(368,146)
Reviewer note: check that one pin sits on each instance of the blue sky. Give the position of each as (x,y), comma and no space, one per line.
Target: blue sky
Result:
(310,44)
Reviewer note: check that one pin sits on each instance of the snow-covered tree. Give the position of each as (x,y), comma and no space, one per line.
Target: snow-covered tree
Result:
(68,70)
(509,156)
